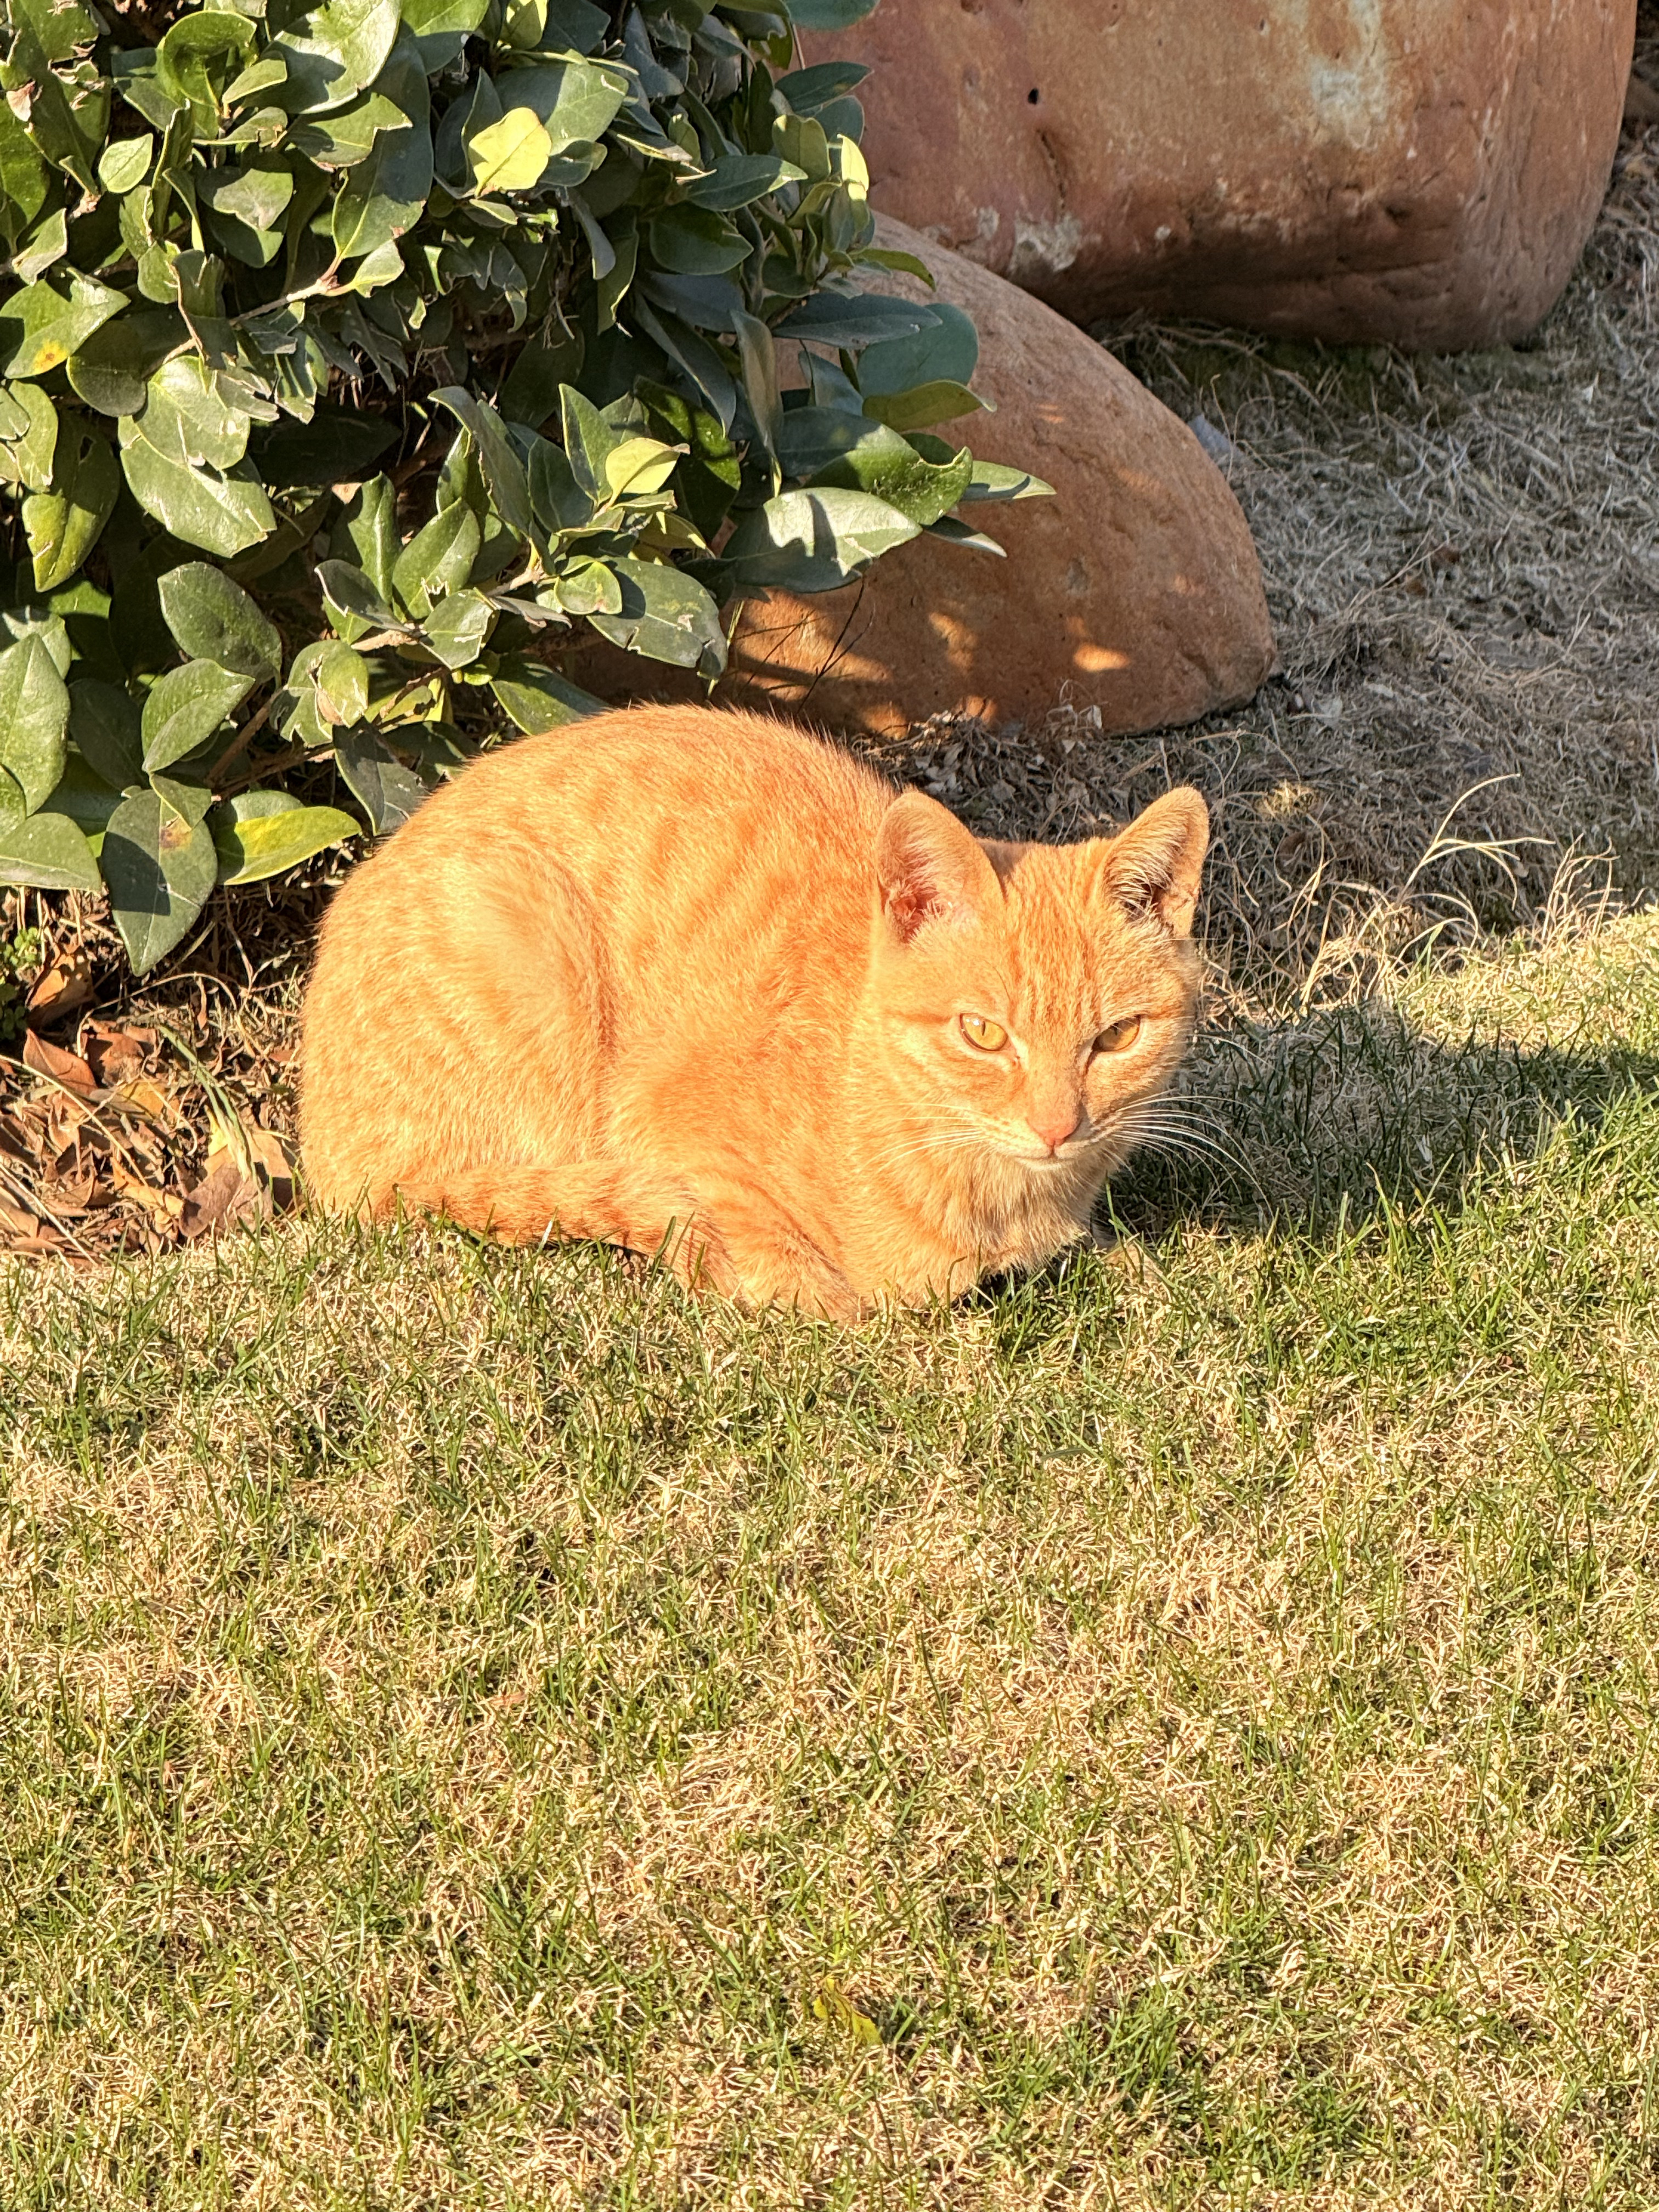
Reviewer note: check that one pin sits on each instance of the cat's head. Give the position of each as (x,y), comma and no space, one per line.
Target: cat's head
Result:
(1034,999)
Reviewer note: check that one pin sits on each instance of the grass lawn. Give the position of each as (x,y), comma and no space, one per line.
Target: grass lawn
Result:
(459,1709)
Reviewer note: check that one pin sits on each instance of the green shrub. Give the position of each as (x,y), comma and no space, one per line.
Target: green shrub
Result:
(445,334)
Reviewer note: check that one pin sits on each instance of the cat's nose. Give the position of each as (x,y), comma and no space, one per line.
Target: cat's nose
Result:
(1054,1127)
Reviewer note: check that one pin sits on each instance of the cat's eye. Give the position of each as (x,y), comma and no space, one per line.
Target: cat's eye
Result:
(1122,1034)
(987,1036)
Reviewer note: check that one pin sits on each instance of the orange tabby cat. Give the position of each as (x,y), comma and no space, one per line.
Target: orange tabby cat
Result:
(696,982)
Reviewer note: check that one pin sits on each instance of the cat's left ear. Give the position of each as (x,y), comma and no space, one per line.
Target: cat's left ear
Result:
(929,866)
(1154,868)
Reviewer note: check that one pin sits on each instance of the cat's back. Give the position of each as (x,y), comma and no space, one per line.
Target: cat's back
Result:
(643,792)
(678,851)
(660,899)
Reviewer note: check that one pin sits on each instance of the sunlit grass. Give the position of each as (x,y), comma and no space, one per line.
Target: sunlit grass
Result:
(458,1707)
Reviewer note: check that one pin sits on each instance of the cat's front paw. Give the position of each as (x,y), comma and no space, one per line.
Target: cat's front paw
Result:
(697,1252)
(802,1280)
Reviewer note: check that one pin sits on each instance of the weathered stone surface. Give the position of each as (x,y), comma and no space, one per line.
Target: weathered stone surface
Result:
(1135,589)
(1424,172)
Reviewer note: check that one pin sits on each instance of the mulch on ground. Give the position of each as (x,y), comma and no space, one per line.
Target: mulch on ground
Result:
(134,1117)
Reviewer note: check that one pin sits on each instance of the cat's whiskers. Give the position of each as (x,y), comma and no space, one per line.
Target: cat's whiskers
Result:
(1145,1127)
(1197,1137)
(1178,1128)
(1166,1113)
(1184,1143)
(938,1141)
(1165,1124)
(1164,1107)
(947,1140)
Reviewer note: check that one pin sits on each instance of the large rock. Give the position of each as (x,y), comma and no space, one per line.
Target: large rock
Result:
(1425,171)
(1135,589)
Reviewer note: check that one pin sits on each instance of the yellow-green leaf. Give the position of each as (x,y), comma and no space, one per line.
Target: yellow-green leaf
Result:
(124,162)
(63,525)
(44,323)
(29,436)
(33,717)
(342,685)
(510,156)
(252,846)
(48,851)
(640,465)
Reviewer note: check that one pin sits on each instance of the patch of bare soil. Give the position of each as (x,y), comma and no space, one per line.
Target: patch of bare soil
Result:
(1463,559)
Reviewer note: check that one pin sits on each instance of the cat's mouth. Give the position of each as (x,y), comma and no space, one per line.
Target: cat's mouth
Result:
(1067,1157)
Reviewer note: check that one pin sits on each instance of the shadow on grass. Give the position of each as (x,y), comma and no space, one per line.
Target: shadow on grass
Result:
(1310,1127)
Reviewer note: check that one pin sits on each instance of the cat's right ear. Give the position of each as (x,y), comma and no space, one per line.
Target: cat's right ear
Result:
(1153,869)
(929,867)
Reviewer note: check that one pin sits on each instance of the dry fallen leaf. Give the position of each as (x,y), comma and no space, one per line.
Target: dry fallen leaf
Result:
(162,1204)
(51,1060)
(63,985)
(273,1159)
(116,1056)
(223,1195)
(36,1240)
(102,1148)
(144,1098)
(72,1199)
